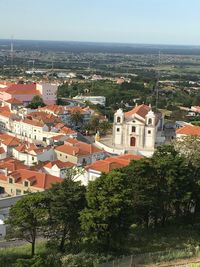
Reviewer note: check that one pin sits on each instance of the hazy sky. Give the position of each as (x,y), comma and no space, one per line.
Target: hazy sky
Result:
(127,21)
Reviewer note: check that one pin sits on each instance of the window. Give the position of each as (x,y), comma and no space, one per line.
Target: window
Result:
(66,157)
(133,129)
(26,183)
(150,121)
(60,155)
(118,119)
(10,180)
(33,158)
(118,129)
(149,131)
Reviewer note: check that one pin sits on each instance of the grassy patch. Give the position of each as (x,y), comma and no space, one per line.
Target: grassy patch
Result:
(8,256)
(171,237)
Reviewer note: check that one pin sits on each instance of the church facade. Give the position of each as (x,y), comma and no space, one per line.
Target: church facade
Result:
(136,130)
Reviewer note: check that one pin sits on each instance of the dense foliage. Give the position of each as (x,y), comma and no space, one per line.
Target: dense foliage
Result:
(36,102)
(151,193)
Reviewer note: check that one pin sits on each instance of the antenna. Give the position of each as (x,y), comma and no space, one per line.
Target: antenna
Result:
(157,80)
(11,55)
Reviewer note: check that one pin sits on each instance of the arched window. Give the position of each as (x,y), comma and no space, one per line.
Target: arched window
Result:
(118,119)
(150,121)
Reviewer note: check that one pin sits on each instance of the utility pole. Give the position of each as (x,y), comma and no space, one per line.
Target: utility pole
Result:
(157,80)
(11,56)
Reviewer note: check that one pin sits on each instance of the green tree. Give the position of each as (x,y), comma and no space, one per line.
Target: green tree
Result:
(66,200)
(106,220)
(189,147)
(76,117)
(27,217)
(36,102)
(104,127)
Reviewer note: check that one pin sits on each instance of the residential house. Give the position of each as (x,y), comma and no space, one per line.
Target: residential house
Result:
(13,104)
(9,165)
(30,154)
(57,168)
(95,169)
(188,130)
(8,143)
(65,112)
(78,152)
(21,181)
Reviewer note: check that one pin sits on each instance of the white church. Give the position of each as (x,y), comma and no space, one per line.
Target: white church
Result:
(138,130)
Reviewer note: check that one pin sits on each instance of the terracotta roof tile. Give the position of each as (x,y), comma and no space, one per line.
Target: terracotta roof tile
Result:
(14,101)
(59,164)
(39,180)
(12,164)
(189,130)
(78,149)
(112,163)
(141,110)
(21,89)
(9,140)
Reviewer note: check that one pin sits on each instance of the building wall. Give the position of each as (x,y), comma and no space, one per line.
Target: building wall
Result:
(48,93)
(53,171)
(5,124)
(14,189)
(66,157)
(31,159)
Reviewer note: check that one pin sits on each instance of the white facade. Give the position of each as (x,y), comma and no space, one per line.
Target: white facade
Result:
(32,157)
(101,100)
(135,131)
(33,132)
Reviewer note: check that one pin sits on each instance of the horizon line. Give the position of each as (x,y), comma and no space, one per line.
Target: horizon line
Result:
(101,42)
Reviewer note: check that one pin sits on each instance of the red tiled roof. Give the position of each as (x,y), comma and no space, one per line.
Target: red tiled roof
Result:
(9,140)
(37,179)
(189,130)
(33,122)
(140,110)
(104,166)
(25,147)
(78,149)
(22,89)
(56,109)
(2,151)
(57,137)
(43,117)
(14,101)
(71,141)
(12,164)
(59,164)
(5,111)
(67,130)
(112,163)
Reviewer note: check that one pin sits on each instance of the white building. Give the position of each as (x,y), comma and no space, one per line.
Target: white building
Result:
(33,130)
(137,130)
(101,100)
(57,168)
(31,155)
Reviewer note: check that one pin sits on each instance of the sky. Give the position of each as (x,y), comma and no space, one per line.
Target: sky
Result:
(122,21)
